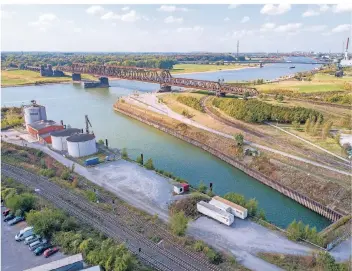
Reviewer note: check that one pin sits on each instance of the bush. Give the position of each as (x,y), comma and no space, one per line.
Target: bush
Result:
(214,256)
(124,153)
(91,196)
(47,172)
(23,202)
(198,246)
(149,164)
(139,160)
(65,175)
(191,102)
(297,230)
(202,188)
(188,205)
(178,223)
(101,142)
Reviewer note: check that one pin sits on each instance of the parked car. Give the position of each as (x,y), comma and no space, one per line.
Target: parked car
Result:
(50,251)
(36,244)
(6,212)
(31,239)
(28,231)
(16,220)
(39,250)
(9,217)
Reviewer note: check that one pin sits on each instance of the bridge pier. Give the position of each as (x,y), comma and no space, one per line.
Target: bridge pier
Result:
(76,77)
(165,88)
(104,82)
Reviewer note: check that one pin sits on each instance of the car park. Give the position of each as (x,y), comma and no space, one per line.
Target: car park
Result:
(9,217)
(36,244)
(16,220)
(31,239)
(39,250)
(28,231)
(50,251)
(6,212)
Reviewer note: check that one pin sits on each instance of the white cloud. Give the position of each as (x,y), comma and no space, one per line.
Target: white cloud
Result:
(232,6)
(95,10)
(267,27)
(310,13)
(125,8)
(167,8)
(341,28)
(111,16)
(288,27)
(227,19)
(324,8)
(5,14)
(271,9)
(245,19)
(130,16)
(77,30)
(342,7)
(196,28)
(172,19)
(315,28)
(242,33)
(45,21)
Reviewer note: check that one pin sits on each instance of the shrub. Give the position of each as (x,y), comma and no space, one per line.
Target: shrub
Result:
(23,202)
(47,172)
(139,160)
(202,187)
(91,196)
(65,175)
(214,256)
(124,153)
(198,246)
(188,205)
(178,223)
(101,142)
(149,164)
(191,102)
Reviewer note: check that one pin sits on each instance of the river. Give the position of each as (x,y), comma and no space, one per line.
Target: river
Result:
(70,102)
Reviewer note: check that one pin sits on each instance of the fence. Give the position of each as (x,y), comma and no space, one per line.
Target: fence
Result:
(303,200)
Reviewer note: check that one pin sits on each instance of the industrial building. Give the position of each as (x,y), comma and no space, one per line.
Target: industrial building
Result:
(42,129)
(72,263)
(229,206)
(79,145)
(34,112)
(59,138)
(215,213)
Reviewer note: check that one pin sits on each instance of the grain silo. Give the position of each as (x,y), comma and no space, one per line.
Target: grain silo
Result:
(81,145)
(58,138)
(34,112)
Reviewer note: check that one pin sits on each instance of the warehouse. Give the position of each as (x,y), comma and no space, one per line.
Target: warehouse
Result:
(215,213)
(81,145)
(235,209)
(58,138)
(42,129)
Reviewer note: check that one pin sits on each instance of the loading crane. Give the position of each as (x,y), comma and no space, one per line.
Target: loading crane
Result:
(87,124)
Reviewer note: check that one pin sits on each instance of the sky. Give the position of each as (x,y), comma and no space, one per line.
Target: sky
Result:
(175,28)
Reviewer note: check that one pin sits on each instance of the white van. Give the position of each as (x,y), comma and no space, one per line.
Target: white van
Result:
(24,234)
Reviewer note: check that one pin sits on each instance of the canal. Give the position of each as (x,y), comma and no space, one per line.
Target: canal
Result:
(69,102)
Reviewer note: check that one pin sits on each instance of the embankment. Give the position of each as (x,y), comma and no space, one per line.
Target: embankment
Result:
(197,138)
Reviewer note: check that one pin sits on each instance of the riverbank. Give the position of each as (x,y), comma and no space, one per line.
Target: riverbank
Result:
(200,69)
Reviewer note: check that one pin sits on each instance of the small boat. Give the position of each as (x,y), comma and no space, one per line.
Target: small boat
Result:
(292,67)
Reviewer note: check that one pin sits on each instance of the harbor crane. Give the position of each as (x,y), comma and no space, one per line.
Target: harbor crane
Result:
(87,124)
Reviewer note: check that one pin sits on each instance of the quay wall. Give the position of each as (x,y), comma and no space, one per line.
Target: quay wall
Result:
(298,197)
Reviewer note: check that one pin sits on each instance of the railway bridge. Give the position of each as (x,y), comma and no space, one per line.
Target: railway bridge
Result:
(158,76)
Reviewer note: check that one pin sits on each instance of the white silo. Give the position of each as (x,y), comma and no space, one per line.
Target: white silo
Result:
(58,138)
(34,112)
(81,145)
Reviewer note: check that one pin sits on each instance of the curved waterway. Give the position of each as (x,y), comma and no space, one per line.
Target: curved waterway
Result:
(69,102)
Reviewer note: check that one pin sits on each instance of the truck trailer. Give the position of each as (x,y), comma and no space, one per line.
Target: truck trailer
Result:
(235,209)
(215,213)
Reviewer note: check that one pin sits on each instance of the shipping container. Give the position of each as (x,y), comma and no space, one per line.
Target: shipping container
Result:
(185,186)
(215,213)
(91,161)
(220,205)
(235,209)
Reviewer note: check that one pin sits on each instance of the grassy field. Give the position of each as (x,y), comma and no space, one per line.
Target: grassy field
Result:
(190,68)
(320,83)
(24,77)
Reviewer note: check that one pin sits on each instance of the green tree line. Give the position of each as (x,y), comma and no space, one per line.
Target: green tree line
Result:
(191,102)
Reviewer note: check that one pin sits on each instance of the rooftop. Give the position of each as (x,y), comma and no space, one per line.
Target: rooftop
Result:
(57,264)
(80,137)
(66,132)
(40,124)
(231,204)
(215,209)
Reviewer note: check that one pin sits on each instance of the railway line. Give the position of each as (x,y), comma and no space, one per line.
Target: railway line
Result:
(173,257)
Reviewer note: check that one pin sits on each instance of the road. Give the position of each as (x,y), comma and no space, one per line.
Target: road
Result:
(150,100)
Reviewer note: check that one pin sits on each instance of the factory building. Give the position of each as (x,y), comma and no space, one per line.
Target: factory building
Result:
(59,138)
(42,129)
(79,145)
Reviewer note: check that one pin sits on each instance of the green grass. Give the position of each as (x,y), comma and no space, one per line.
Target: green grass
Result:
(24,77)
(189,68)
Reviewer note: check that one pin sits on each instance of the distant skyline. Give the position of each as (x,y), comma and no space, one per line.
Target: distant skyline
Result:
(175,28)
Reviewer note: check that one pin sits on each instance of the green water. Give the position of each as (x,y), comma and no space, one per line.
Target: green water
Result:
(70,103)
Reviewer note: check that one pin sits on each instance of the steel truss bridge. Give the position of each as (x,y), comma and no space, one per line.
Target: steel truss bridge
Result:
(158,76)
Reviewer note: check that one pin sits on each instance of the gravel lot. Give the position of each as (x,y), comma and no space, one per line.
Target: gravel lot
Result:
(16,256)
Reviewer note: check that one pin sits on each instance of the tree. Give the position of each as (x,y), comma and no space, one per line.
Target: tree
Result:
(252,206)
(178,223)
(235,198)
(239,139)
(202,187)
(23,202)
(280,98)
(326,129)
(101,142)
(65,174)
(293,231)
(307,126)
(316,128)
(149,164)
(296,125)
(261,214)
(139,160)
(124,154)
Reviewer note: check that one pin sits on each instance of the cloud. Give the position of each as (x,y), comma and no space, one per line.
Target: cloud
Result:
(227,19)
(130,16)
(341,28)
(342,8)
(241,33)
(95,10)
(310,13)
(196,28)
(324,8)
(111,16)
(271,9)
(166,8)
(125,8)
(245,19)
(45,21)
(315,28)
(5,14)
(293,27)
(267,27)
(77,30)
(172,19)
(232,6)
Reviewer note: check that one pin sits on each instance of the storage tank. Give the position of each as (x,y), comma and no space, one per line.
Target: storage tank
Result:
(81,145)
(215,213)
(58,138)
(34,113)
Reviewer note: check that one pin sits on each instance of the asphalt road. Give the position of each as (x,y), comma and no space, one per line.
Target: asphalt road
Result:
(16,256)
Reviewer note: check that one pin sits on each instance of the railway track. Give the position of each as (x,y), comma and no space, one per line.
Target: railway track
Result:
(174,257)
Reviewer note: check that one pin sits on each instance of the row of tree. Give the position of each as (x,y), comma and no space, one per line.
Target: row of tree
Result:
(297,230)
(259,111)
(191,102)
